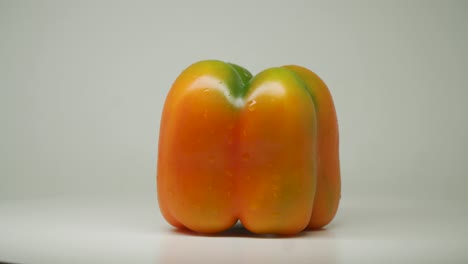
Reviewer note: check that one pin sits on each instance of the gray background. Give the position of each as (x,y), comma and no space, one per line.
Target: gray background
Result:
(83,84)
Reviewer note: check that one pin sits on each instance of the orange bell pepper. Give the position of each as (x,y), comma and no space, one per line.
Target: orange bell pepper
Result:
(262,150)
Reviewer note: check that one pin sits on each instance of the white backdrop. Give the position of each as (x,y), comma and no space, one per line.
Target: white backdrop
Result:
(82,85)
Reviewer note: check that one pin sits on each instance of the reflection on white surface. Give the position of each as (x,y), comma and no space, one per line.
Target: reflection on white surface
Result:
(121,230)
(240,246)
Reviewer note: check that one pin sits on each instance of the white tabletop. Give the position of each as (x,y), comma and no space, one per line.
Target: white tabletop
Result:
(131,230)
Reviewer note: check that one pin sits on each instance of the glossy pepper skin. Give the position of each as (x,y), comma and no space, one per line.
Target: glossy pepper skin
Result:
(262,150)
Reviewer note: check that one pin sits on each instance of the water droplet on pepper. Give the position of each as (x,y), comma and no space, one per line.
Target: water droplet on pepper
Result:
(251,105)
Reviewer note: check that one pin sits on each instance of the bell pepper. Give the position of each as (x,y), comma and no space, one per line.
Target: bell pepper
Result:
(260,149)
